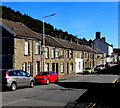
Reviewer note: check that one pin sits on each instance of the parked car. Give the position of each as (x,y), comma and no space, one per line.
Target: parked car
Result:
(100,67)
(88,70)
(16,78)
(46,77)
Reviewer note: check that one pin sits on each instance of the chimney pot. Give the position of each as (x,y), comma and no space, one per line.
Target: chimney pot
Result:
(98,34)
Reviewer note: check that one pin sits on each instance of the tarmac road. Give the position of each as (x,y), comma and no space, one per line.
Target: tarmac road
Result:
(41,95)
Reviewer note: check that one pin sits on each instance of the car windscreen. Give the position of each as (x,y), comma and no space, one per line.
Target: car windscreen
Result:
(43,73)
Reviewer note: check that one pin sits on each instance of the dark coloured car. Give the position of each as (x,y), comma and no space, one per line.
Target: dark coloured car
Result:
(46,77)
(100,67)
(16,78)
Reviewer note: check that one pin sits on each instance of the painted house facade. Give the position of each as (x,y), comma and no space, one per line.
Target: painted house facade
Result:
(102,45)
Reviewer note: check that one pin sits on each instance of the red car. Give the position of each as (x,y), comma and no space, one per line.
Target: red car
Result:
(46,77)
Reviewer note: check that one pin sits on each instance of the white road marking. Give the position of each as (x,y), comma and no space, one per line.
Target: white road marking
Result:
(15,102)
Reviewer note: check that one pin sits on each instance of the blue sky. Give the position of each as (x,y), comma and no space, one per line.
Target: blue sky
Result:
(81,19)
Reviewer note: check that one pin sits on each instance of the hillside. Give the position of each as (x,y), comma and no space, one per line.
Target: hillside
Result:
(37,25)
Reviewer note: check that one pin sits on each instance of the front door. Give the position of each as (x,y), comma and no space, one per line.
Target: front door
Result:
(67,68)
(57,68)
(53,66)
(37,67)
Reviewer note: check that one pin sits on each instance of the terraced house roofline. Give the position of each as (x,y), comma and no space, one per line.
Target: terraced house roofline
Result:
(19,30)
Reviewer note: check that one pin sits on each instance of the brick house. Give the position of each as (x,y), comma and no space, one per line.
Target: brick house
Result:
(66,57)
(22,49)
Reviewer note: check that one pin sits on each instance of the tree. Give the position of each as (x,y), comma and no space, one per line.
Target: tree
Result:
(37,25)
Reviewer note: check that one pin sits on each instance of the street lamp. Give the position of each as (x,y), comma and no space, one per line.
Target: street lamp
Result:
(44,38)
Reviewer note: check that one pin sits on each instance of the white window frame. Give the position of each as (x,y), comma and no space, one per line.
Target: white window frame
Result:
(62,53)
(29,67)
(36,68)
(26,48)
(46,67)
(56,53)
(62,67)
(46,52)
(53,52)
(71,66)
(37,48)
(24,66)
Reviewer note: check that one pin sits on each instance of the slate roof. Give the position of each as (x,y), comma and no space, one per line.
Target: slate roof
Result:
(60,43)
(50,41)
(103,41)
(20,29)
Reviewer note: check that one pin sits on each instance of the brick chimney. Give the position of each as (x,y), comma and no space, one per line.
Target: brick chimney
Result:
(98,34)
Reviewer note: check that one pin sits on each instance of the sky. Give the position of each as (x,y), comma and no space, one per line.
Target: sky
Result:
(82,19)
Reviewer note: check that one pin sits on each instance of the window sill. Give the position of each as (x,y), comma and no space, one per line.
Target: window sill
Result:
(26,55)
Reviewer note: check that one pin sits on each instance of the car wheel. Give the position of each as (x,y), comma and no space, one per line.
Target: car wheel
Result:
(31,84)
(48,82)
(13,86)
(56,80)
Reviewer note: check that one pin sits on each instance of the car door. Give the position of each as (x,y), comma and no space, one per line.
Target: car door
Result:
(52,76)
(19,78)
(26,79)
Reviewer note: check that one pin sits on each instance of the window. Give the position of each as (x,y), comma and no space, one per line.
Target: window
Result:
(52,73)
(46,67)
(56,53)
(82,54)
(62,53)
(37,48)
(29,67)
(26,48)
(17,73)
(24,66)
(71,54)
(71,66)
(67,53)
(11,73)
(53,53)
(22,73)
(46,53)
(79,65)
(37,67)
(62,68)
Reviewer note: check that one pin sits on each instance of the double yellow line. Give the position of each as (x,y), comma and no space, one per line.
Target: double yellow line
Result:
(91,105)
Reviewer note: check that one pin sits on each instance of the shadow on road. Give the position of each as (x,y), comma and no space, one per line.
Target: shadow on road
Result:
(115,70)
(98,95)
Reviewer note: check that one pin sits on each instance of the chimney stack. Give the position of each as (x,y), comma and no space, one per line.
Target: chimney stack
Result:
(98,34)
(103,38)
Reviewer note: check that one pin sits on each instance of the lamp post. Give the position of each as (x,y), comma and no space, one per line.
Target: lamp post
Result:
(44,38)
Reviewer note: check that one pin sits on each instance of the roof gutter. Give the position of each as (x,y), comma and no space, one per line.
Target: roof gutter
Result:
(4,26)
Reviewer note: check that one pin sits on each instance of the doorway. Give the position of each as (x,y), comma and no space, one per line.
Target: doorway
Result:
(53,66)
(37,67)
(57,68)
(67,68)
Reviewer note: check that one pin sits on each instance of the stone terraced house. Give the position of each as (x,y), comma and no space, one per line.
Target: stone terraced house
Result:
(22,49)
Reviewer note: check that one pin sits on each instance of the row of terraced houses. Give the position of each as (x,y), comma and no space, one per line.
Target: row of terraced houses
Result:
(22,49)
